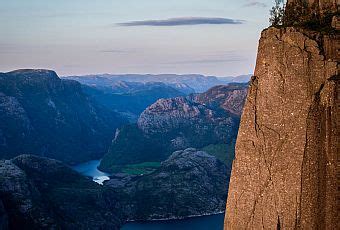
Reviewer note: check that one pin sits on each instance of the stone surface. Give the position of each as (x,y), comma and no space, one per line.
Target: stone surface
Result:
(284,173)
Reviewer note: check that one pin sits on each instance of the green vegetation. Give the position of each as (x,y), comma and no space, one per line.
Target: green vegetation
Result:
(277,13)
(223,152)
(136,169)
(302,14)
(142,168)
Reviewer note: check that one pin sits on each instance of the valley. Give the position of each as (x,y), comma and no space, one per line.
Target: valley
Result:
(160,144)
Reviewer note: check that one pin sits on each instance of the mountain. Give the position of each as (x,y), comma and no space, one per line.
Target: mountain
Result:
(47,116)
(178,123)
(188,183)
(237,79)
(183,83)
(41,193)
(120,85)
(130,99)
(286,170)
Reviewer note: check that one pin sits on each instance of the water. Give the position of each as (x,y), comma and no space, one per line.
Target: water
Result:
(90,169)
(213,222)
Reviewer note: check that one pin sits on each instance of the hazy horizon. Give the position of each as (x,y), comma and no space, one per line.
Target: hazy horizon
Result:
(83,37)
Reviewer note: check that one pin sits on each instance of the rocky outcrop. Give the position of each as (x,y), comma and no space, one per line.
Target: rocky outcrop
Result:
(44,115)
(40,193)
(173,113)
(179,123)
(188,183)
(285,170)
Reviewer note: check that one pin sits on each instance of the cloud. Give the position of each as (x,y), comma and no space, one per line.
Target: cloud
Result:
(186,21)
(256,4)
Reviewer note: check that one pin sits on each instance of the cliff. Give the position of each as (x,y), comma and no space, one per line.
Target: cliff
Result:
(44,115)
(285,171)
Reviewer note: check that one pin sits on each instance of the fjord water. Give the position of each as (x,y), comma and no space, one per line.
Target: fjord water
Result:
(213,222)
(90,169)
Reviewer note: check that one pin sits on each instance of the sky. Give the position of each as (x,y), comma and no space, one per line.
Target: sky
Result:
(77,37)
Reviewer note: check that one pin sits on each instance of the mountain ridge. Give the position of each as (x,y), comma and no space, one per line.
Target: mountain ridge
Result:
(51,117)
(178,123)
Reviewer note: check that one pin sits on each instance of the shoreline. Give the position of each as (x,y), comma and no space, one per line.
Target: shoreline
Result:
(175,218)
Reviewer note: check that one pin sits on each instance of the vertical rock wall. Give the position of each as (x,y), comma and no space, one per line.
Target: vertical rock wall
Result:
(285,172)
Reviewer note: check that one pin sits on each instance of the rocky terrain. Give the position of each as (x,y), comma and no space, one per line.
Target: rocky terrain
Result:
(188,183)
(285,173)
(47,116)
(178,123)
(40,193)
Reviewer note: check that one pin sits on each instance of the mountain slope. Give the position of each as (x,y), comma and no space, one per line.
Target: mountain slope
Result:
(51,117)
(188,183)
(41,193)
(178,123)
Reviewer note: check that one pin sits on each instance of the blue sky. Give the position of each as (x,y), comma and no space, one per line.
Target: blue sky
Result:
(212,37)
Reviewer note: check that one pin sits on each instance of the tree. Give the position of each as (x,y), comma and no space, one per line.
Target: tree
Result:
(277,13)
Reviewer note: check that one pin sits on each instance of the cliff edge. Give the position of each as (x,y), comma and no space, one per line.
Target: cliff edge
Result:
(285,172)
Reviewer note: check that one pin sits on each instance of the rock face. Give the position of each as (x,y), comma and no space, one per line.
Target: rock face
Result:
(175,112)
(40,193)
(179,123)
(44,115)
(189,182)
(285,172)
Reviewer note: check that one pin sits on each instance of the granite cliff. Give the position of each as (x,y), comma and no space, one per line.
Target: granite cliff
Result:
(285,173)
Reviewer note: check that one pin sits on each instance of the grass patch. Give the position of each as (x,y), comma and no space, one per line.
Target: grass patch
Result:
(223,152)
(142,168)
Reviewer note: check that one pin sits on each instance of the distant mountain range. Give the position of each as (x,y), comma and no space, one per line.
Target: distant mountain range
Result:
(130,94)
(184,83)
(129,99)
